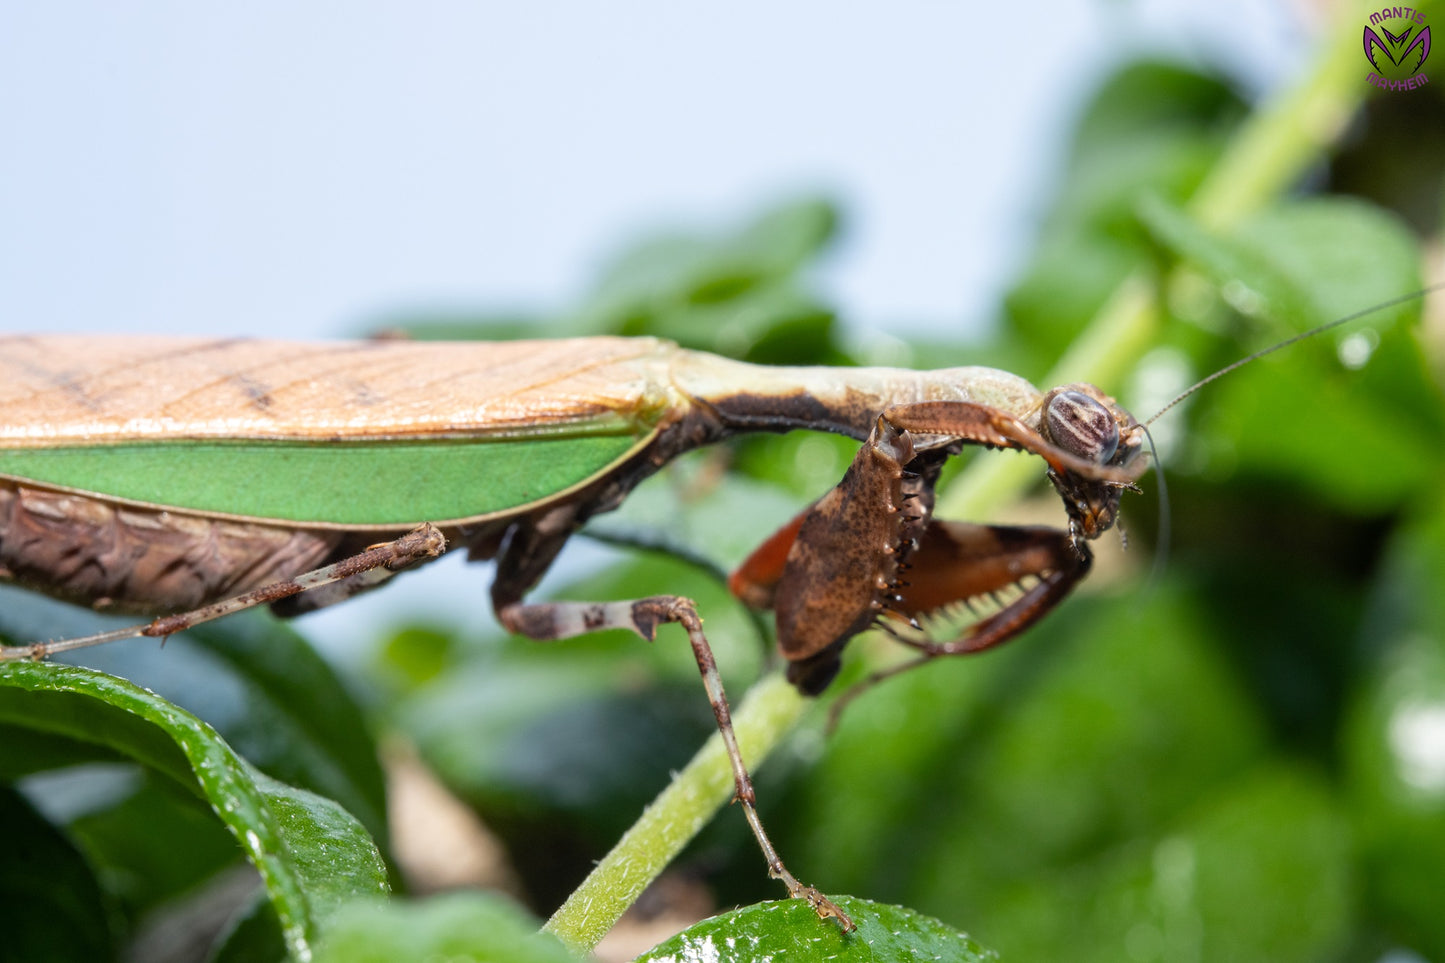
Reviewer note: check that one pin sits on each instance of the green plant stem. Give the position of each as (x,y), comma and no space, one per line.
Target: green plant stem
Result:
(1290,130)
(767,713)
(1265,157)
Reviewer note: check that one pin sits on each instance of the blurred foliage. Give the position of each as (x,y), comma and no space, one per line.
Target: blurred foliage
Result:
(477,927)
(1152,129)
(1242,758)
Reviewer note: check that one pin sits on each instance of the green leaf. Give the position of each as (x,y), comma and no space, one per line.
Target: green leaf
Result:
(737,293)
(789,929)
(740,292)
(1267,871)
(1301,263)
(1257,872)
(288,689)
(1151,127)
(986,770)
(1393,743)
(252,937)
(701,268)
(1287,424)
(787,236)
(1298,265)
(310,852)
(252,678)
(153,845)
(1145,96)
(475,927)
(51,907)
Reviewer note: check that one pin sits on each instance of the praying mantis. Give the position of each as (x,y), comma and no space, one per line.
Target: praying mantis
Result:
(190,478)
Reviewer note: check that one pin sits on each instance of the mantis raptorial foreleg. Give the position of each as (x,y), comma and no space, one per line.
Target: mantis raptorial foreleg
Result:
(959,561)
(956,562)
(868,552)
(550,621)
(420,543)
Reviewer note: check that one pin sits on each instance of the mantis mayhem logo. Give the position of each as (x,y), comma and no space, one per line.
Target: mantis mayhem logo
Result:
(1398,55)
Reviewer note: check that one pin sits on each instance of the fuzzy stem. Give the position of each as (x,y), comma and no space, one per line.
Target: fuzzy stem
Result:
(767,713)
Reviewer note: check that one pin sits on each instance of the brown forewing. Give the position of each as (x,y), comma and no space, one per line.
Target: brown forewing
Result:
(55,389)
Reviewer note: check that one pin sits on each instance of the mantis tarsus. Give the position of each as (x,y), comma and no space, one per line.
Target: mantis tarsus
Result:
(320,469)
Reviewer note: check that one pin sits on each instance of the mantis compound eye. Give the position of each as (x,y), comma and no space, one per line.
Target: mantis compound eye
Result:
(1082,426)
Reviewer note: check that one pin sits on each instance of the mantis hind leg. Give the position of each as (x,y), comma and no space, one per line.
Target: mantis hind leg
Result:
(548,621)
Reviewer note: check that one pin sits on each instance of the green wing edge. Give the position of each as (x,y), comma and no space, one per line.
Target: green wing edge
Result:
(337,484)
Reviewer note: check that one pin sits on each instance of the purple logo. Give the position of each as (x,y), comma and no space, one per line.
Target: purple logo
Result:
(1397,55)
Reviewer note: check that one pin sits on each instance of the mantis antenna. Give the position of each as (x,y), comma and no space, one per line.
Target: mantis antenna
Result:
(1318,329)
(1161,549)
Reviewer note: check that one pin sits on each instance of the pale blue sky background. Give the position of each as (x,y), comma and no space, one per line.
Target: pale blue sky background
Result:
(295,169)
(283,169)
